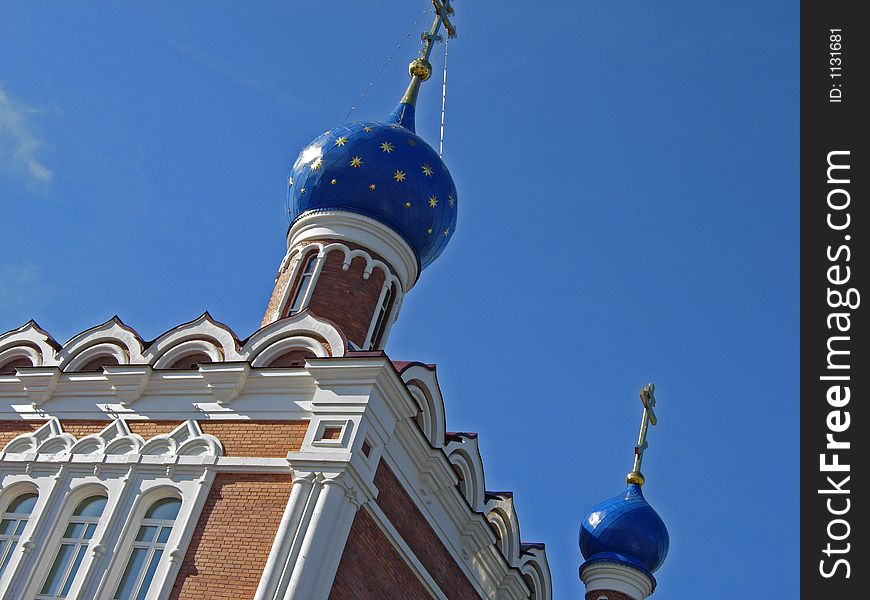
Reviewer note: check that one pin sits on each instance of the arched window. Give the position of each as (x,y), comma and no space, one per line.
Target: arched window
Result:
(8,368)
(147,550)
(302,286)
(293,359)
(381,323)
(96,364)
(73,546)
(12,526)
(190,361)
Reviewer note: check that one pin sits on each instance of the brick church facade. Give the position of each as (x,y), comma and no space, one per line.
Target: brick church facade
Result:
(300,462)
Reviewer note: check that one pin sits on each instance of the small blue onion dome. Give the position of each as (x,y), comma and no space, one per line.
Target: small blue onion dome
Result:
(382,170)
(625,529)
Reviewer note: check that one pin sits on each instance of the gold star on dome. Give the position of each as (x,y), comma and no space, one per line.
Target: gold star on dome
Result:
(427,170)
(387,147)
(446,232)
(407,205)
(302,191)
(290,181)
(412,142)
(334,181)
(317,164)
(367,129)
(429,231)
(450,199)
(399,175)
(372,187)
(341,141)
(355,161)
(433,202)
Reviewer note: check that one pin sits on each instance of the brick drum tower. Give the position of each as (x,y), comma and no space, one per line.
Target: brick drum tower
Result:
(299,462)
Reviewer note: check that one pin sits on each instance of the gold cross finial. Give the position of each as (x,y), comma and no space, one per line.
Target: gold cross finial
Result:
(420,68)
(649,416)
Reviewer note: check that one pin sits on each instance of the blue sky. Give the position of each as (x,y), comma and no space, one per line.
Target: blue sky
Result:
(628,183)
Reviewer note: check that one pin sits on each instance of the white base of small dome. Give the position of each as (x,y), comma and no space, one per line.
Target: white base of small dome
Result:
(616,577)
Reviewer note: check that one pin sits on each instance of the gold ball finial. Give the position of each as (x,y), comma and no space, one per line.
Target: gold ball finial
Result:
(420,67)
(635,477)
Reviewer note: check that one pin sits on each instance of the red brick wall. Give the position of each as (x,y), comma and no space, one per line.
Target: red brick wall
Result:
(233,537)
(10,430)
(345,298)
(609,594)
(371,568)
(262,439)
(278,293)
(418,534)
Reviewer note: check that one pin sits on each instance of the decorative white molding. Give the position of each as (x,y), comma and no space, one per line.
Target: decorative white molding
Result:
(464,454)
(128,381)
(287,334)
(536,568)
(423,385)
(614,576)
(19,352)
(114,440)
(38,382)
(225,380)
(361,230)
(28,341)
(112,337)
(501,514)
(203,334)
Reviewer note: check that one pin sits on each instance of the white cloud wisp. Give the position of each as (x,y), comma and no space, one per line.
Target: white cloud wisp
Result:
(19,146)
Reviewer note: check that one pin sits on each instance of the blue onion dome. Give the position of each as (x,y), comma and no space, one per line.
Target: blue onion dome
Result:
(382,170)
(625,529)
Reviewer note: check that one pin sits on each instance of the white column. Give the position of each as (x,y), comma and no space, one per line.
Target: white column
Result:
(324,538)
(285,549)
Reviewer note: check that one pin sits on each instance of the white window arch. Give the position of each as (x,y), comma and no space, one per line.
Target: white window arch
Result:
(74,542)
(12,524)
(148,549)
(301,295)
(381,313)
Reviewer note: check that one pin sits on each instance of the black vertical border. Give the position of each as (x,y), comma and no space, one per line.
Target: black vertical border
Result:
(828,126)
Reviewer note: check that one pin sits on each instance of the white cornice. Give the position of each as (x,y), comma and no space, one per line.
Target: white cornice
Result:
(361,230)
(614,576)
(363,395)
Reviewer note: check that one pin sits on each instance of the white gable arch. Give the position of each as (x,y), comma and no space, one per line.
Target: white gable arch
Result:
(112,338)
(464,455)
(423,386)
(203,334)
(28,341)
(301,331)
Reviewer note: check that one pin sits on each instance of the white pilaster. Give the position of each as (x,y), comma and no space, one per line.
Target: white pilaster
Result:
(325,538)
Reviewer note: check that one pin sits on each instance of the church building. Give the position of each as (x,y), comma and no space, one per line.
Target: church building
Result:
(300,462)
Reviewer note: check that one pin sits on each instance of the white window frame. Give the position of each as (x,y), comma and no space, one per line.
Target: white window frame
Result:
(178,464)
(129,544)
(317,258)
(9,496)
(80,545)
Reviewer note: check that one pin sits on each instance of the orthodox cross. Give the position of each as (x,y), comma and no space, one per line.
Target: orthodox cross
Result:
(420,68)
(649,416)
(443,10)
